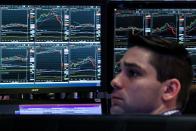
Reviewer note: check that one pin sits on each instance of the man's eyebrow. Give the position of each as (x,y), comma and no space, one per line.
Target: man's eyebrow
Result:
(127,64)
(134,66)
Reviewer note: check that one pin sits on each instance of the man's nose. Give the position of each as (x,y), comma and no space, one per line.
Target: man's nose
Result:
(116,83)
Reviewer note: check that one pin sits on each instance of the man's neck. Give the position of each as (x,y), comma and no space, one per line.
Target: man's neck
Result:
(162,109)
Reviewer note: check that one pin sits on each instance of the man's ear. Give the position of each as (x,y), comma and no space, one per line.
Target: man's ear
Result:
(171,89)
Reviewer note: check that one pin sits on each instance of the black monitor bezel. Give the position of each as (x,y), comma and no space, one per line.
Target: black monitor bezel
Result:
(151,4)
(102,87)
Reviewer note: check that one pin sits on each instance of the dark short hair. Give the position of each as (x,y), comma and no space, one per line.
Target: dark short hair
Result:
(170,60)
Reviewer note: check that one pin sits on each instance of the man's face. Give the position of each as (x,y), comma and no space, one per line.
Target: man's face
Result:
(136,88)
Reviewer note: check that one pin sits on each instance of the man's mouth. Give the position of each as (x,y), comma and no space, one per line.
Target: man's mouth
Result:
(116,100)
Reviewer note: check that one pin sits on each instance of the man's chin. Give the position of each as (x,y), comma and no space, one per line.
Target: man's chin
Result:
(115,110)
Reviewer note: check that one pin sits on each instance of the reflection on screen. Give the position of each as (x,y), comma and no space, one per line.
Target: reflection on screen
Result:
(50,46)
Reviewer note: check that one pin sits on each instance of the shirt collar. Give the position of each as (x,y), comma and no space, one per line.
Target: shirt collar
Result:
(171,112)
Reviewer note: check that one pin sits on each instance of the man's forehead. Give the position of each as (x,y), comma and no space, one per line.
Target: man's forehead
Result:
(137,56)
(136,52)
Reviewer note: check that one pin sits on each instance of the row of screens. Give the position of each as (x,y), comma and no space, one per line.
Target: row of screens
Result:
(50,23)
(174,24)
(38,65)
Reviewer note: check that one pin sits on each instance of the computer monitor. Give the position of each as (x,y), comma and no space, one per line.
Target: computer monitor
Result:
(173,20)
(50,46)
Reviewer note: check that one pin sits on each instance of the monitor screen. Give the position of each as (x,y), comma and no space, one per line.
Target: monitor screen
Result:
(50,46)
(174,21)
(59,109)
(53,107)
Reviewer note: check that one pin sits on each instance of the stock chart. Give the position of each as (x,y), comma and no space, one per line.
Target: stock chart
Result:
(190,28)
(82,25)
(165,26)
(14,64)
(124,23)
(49,25)
(83,65)
(49,64)
(15,25)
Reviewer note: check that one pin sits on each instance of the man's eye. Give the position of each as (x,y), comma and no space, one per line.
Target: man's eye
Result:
(117,69)
(133,73)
